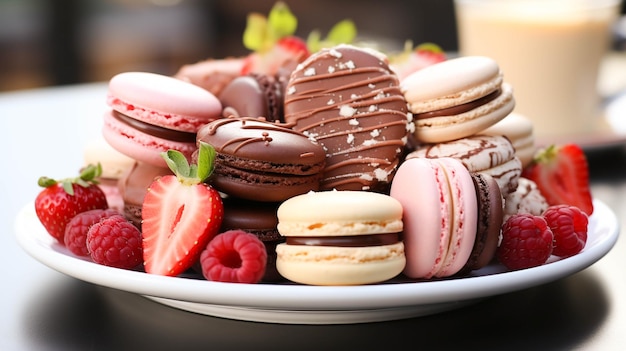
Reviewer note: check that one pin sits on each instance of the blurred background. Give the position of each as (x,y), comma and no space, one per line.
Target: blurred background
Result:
(53,42)
(56,42)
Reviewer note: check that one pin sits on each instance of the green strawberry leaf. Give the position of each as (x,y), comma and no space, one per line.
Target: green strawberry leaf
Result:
(255,34)
(206,158)
(343,32)
(282,22)
(177,162)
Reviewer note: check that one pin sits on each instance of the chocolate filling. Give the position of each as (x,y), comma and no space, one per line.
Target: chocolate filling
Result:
(457,110)
(156,131)
(346,241)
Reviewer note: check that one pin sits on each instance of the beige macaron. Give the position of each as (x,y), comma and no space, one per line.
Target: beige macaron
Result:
(457,98)
(340,238)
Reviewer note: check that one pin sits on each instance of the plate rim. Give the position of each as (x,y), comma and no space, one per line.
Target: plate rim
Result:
(36,242)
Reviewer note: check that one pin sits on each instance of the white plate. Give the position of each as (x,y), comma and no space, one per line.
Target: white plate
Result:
(291,303)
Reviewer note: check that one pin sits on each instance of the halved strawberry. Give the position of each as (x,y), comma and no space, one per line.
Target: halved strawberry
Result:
(180,214)
(561,173)
(414,59)
(61,200)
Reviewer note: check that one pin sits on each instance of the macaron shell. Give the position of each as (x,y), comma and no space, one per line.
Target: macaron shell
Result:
(162,100)
(492,155)
(440,215)
(490,218)
(464,217)
(451,83)
(328,265)
(477,152)
(446,128)
(420,186)
(244,97)
(338,213)
(525,199)
(350,102)
(138,145)
(506,175)
(114,163)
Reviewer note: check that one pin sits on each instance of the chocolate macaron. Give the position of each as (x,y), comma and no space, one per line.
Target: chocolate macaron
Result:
(348,99)
(490,217)
(262,161)
(254,95)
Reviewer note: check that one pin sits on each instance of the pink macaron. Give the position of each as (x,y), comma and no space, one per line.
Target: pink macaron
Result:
(152,113)
(439,213)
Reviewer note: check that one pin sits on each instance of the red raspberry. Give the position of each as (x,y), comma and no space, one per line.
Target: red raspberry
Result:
(569,225)
(115,242)
(526,242)
(75,237)
(234,256)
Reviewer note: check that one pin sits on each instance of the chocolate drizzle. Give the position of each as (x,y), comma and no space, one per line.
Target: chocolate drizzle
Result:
(349,101)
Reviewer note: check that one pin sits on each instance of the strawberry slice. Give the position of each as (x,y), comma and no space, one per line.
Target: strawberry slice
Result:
(180,214)
(561,173)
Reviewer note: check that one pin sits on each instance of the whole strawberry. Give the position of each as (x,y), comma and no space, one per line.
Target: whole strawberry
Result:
(526,242)
(61,200)
(561,173)
(569,225)
(180,214)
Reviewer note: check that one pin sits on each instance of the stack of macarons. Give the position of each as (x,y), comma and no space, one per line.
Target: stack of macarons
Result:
(258,165)
(149,114)
(347,175)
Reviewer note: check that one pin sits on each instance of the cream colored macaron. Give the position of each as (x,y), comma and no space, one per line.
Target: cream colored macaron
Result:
(340,238)
(457,98)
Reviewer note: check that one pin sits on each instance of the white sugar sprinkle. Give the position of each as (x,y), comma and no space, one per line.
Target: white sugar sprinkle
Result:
(347,111)
(335,53)
(350,138)
(309,72)
(374,133)
(353,122)
(380,174)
